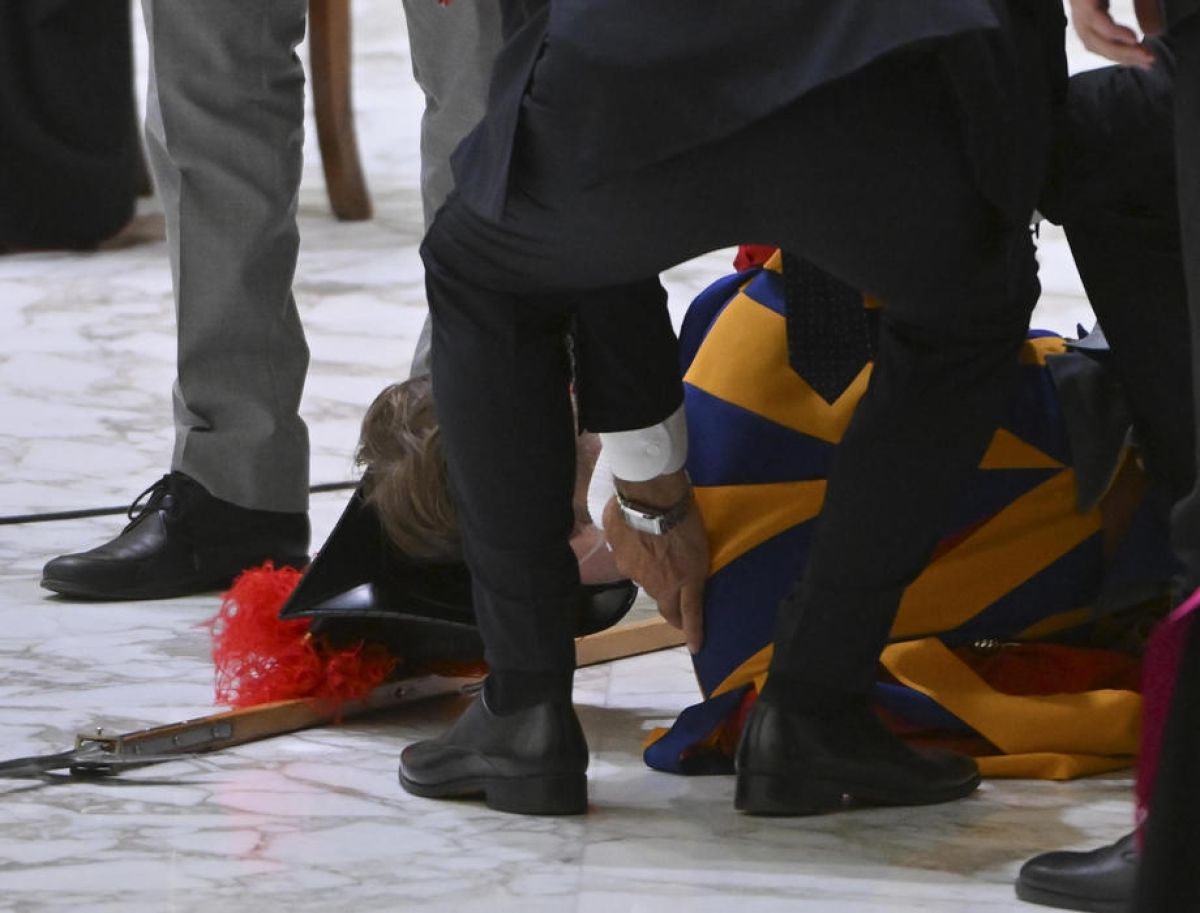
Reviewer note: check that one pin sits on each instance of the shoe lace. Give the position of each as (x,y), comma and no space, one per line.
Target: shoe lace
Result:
(156,494)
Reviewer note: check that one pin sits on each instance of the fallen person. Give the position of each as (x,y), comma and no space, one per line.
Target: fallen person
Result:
(1059,535)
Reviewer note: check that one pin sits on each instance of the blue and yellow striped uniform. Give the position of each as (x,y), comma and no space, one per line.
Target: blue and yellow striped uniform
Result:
(1020,561)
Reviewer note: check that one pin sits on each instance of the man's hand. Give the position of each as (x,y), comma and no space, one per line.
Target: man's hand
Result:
(1102,35)
(671,568)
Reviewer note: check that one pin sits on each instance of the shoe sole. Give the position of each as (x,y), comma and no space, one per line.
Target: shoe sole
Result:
(73,590)
(1047,898)
(179,587)
(760,794)
(560,794)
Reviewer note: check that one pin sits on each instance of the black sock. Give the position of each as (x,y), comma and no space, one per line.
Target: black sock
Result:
(808,697)
(510,691)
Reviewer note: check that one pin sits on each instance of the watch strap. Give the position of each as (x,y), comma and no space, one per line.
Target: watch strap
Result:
(656,521)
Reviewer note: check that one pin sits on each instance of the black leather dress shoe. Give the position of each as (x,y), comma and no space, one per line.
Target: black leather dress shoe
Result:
(792,763)
(180,540)
(532,762)
(1100,880)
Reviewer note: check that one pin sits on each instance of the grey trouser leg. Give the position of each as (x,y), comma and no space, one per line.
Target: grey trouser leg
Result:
(224,127)
(453,48)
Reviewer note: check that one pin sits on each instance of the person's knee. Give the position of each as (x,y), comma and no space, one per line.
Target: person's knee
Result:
(437,249)
(462,248)
(982,297)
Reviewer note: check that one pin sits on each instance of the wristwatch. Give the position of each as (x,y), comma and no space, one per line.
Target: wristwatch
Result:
(657,521)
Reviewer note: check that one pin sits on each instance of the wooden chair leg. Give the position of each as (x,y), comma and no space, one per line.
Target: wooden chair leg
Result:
(329,55)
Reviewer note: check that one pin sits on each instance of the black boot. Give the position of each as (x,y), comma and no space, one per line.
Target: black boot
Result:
(1101,880)
(532,761)
(182,540)
(792,762)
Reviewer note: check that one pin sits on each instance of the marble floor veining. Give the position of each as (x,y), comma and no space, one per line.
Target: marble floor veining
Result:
(316,821)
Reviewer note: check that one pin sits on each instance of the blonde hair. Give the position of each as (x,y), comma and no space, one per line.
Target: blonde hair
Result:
(406,483)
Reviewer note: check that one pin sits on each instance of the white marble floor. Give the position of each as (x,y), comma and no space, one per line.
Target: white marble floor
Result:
(317,821)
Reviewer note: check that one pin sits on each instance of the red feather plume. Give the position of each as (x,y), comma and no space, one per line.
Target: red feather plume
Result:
(260,658)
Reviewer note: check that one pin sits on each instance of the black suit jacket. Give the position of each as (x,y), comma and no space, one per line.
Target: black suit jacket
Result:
(1178,10)
(631,82)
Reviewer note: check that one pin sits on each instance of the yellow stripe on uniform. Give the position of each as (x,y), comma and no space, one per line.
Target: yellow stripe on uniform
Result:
(1007,451)
(1035,350)
(738,518)
(1044,765)
(1029,535)
(744,361)
(1103,723)
(752,671)
(1052,624)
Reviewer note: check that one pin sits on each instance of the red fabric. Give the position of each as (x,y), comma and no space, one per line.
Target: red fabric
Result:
(749,255)
(1160,673)
(1019,669)
(1026,669)
(260,658)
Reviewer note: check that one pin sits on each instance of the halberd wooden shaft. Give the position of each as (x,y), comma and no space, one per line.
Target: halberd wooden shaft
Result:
(97,753)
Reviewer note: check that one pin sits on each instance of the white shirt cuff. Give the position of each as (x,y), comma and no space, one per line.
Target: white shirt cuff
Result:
(645,453)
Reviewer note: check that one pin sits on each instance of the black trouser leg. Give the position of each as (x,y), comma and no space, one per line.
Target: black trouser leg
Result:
(1186,519)
(501,382)
(1131,267)
(1113,189)
(936,394)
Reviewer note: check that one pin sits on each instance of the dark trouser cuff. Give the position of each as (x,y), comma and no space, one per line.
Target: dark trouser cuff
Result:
(832,638)
(513,690)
